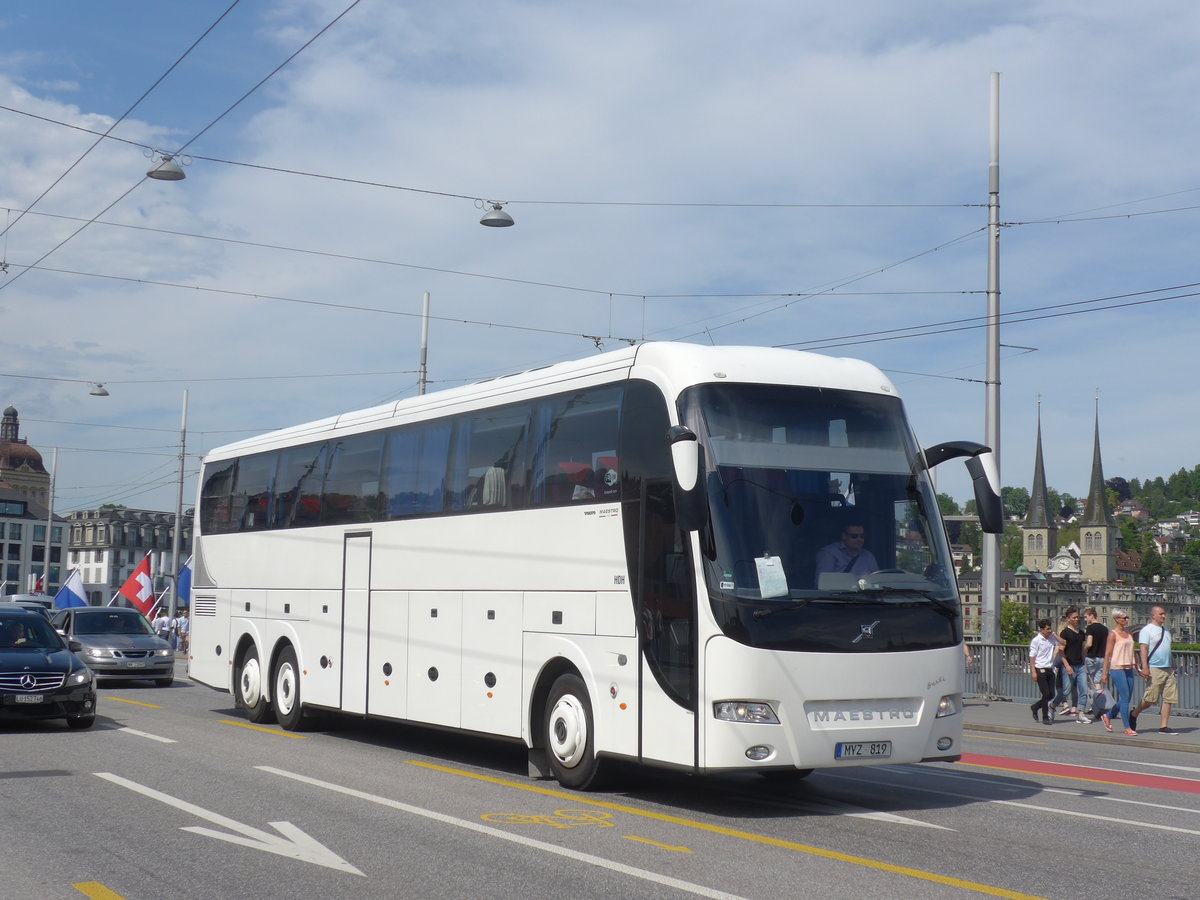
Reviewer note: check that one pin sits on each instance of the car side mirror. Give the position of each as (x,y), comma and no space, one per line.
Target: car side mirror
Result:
(74,646)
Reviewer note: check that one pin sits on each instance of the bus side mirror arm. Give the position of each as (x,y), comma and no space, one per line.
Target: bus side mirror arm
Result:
(687,463)
(981,464)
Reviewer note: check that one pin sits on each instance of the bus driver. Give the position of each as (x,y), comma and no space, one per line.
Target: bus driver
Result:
(847,555)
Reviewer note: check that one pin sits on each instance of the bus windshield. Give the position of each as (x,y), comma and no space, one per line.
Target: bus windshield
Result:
(818,520)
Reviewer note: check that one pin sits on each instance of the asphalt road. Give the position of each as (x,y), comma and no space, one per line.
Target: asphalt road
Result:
(174,795)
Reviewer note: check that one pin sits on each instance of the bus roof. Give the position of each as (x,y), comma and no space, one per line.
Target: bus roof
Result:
(677,365)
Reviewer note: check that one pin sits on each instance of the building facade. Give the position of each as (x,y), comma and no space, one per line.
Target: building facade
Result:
(25,514)
(107,544)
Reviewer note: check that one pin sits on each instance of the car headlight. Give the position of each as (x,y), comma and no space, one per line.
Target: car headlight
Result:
(99,652)
(165,651)
(83,676)
(745,711)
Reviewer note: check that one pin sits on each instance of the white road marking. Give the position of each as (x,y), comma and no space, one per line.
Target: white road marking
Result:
(664,880)
(1138,762)
(294,843)
(146,734)
(838,808)
(1051,809)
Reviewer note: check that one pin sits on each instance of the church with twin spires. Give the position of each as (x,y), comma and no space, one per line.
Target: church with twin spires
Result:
(1095,557)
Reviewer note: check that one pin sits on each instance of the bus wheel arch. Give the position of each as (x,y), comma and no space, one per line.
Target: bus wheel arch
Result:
(250,685)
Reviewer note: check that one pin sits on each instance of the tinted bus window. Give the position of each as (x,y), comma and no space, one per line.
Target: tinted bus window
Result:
(251,494)
(489,459)
(414,470)
(214,497)
(351,493)
(575,457)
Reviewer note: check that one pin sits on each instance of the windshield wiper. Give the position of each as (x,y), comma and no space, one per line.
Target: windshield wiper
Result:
(763,612)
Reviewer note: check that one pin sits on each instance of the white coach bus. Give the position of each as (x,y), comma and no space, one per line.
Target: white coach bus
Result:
(610,558)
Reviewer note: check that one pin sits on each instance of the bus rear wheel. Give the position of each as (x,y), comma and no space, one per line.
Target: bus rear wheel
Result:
(250,688)
(568,729)
(286,695)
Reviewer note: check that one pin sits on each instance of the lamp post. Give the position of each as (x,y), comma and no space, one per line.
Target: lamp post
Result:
(990,582)
(177,536)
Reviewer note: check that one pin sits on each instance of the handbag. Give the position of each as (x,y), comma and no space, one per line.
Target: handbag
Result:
(1102,700)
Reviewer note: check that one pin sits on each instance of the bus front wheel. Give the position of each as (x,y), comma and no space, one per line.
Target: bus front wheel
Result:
(286,695)
(250,688)
(568,729)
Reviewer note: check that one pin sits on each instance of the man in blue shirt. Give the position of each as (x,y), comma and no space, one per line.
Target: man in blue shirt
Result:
(847,555)
(1155,667)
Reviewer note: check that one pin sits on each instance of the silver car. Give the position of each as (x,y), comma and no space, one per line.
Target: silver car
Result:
(118,643)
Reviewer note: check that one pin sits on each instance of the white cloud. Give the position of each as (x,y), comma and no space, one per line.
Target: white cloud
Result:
(676,103)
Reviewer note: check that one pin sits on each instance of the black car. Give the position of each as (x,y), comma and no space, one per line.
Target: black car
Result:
(40,675)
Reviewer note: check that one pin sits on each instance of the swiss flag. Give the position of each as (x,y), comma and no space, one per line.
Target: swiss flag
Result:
(139,588)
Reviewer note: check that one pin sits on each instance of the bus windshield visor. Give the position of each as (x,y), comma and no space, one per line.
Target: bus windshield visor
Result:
(815,506)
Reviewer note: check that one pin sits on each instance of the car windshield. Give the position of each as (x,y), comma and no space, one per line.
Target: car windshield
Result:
(111,622)
(27,633)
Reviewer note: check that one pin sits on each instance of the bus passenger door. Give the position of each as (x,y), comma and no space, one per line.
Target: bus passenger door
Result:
(356,615)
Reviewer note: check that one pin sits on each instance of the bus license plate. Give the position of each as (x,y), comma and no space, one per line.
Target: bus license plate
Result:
(28,698)
(871,750)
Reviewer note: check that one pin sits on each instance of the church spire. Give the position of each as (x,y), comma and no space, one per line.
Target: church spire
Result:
(1039,514)
(1097,512)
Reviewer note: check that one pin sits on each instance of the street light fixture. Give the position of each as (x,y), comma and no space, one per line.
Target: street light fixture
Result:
(496,217)
(166,169)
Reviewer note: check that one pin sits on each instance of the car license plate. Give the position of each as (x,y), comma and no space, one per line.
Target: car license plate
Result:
(29,698)
(136,665)
(867,750)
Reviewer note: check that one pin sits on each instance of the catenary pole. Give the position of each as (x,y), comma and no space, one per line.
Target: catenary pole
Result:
(173,580)
(990,613)
(423,368)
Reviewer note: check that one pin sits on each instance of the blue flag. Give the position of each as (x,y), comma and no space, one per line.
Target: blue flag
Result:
(183,585)
(71,593)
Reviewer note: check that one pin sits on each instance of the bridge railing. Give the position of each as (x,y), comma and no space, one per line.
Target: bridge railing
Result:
(1001,672)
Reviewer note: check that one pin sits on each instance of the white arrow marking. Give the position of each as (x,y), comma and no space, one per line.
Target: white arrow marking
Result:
(294,843)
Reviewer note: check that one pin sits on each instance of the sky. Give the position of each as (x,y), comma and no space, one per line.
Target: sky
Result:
(766,173)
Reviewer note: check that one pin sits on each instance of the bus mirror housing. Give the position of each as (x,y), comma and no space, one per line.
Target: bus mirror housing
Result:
(691,506)
(981,464)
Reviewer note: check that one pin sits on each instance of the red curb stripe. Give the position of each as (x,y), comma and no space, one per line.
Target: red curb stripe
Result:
(1059,770)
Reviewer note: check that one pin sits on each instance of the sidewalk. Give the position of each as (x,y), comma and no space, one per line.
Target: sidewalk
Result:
(1013,717)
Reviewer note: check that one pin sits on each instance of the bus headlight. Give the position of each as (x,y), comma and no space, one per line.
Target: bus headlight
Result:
(948,706)
(745,711)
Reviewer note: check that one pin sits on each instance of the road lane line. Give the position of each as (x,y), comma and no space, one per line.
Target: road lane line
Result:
(659,844)
(274,731)
(145,734)
(96,891)
(742,835)
(654,877)
(133,702)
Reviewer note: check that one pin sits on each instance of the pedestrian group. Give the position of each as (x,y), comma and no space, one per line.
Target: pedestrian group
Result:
(1089,673)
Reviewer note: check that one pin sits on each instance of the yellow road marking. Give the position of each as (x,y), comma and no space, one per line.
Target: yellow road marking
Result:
(134,702)
(658,844)
(96,891)
(741,835)
(274,731)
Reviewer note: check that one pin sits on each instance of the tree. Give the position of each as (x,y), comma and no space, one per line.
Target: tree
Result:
(1016,500)
(1152,563)
(1015,626)
(1012,547)
(948,505)
(1119,486)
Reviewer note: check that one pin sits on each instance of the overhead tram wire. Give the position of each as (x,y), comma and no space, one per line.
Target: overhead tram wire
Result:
(100,136)
(194,137)
(461,196)
(1008,318)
